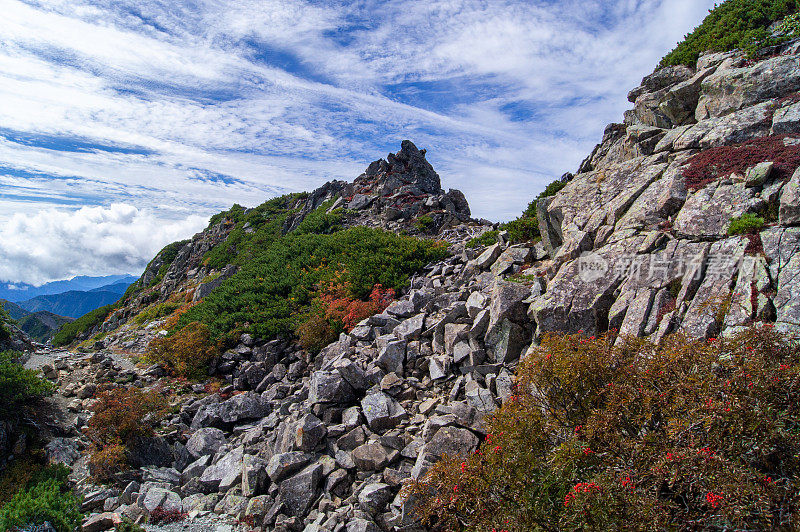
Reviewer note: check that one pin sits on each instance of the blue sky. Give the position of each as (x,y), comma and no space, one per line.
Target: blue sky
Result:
(125,124)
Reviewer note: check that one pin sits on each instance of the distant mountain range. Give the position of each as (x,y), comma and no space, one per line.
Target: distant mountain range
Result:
(16,292)
(50,306)
(72,304)
(40,326)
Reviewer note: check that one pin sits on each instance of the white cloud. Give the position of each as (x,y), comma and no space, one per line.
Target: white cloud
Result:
(89,241)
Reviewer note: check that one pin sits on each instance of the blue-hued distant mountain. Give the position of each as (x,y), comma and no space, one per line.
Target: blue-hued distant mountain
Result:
(72,304)
(40,326)
(76,303)
(16,292)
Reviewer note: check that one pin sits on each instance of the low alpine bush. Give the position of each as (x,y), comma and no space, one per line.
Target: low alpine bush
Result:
(714,163)
(19,387)
(5,320)
(526,227)
(486,239)
(280,281)
(746,224)
(732,25)
(121,417)
(185,353)
(45,498)
(607,435)
(423,223)
(335,310)
(69,332)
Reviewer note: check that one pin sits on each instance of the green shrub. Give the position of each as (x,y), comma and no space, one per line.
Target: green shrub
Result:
(5,319)
(522,229)
(746,224)
(732,25)
(423,223)
(791,25)
(320,221)
(46,497)
(69,332)
(526,227)
(486,239)
(257,229)
(279,281)
(129,526)
(550,190)
(607,435)
(155,312)
(19,387)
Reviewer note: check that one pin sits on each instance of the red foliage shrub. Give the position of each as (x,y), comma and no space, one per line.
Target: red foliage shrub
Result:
(336,310)
(175,317)
(668,307)
(107,461)
(122,414)
(714,163)
(340,306)
(607,435)
(159,516)
(754,245)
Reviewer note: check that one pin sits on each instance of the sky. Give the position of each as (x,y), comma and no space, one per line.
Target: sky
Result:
(125,124)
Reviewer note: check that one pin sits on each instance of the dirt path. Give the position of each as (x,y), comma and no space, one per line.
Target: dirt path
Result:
(49,356)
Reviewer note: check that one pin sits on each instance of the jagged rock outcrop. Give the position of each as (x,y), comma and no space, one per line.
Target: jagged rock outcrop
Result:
(401,193)
(401,188)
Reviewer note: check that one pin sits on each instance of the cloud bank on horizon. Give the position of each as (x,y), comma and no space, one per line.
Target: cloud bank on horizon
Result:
(125,124)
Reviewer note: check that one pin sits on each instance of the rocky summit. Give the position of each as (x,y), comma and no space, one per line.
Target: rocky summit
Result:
(685,218)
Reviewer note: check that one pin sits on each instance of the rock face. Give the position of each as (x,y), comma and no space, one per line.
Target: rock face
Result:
(660,242)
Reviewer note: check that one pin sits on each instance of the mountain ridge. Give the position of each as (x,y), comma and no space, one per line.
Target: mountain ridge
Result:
(16,292)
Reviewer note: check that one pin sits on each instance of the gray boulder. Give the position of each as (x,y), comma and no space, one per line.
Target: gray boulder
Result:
(370,457)
(391,356)
(299,492)
(225,473)
(362,525)
(282,465)
(382,412)
(246,406)
(254,475)
(507,303)
(786,120)
(205,441)
(329,387)
(374,498)
(789,211)
(310,433)
(451,441)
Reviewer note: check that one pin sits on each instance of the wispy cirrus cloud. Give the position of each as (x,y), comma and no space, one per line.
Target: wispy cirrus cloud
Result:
(180,108)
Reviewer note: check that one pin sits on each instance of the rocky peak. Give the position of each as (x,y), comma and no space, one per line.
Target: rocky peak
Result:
(407,169)
(395,192)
